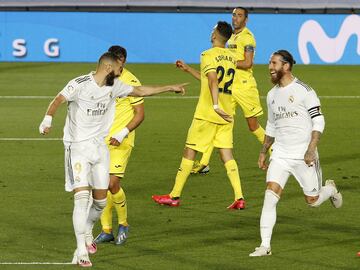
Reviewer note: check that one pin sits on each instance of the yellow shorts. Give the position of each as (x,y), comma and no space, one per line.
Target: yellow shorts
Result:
(249,101)
(202,134)
(119,158)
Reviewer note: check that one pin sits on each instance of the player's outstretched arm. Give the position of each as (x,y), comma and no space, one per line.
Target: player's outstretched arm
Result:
(144,91)
(186,68)
(45,125)
(139,116)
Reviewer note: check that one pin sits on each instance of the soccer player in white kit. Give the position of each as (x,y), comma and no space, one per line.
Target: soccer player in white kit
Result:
(90,100)
(293,129)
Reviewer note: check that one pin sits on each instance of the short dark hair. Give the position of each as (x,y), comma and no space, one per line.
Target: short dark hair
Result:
(109,56)
(246,11)
(224,29)
(286,57)
(116,49)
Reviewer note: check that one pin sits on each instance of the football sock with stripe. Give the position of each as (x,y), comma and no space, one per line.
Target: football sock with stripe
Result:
(233,175)
(120,205)
(181,177)
(268,217)
(106,216)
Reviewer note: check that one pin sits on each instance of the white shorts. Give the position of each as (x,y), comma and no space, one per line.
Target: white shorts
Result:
(87,165)
(309,178)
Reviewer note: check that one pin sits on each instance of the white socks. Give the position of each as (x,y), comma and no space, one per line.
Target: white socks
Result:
(95,211)
(81,201)
(268,217)
(325,193)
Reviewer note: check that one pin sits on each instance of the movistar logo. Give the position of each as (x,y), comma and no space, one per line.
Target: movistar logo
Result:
(329,50)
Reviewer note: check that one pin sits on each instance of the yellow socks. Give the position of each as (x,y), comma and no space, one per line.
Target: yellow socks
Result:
(106,216)
(119,202)
(181,177)
(233,174)
(205,159)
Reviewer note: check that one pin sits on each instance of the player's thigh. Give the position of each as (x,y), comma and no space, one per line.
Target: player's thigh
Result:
(278,172)
(77,169)
(100,170)
(119,158)
(308,177)
(249,101)
(224,136)
(200,135)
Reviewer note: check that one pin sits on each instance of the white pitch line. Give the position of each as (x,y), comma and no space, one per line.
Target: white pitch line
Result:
(26,263)
(167,97)
(30,139)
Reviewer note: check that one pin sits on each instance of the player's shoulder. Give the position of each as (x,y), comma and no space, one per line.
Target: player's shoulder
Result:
(247,36)
(129,78)
(81,79)
(207,52)
(246,32)
(301,86)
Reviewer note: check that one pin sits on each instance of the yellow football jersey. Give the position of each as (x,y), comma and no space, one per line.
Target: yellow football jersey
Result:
(124,111)
(221,61)
(237,44)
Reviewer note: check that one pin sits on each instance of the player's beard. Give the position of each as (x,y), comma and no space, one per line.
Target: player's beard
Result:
(109,79)
(278,76)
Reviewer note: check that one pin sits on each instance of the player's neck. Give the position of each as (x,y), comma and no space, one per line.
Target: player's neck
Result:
(239,30)
(99,78)
(286,80)
(217,44)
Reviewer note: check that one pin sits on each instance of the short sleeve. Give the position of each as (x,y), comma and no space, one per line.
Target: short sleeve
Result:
(207,64)
(311,100)
(121,89)
(136,101)
(249,42)
(70,91)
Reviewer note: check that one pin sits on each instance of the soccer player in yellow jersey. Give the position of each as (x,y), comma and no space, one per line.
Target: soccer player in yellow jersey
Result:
(242,43)
(129,113)
(212,123)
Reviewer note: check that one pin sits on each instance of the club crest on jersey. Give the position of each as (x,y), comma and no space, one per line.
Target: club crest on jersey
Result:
(291,99)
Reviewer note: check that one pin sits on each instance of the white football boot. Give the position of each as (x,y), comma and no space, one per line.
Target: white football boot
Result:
(335,200)
(261,251)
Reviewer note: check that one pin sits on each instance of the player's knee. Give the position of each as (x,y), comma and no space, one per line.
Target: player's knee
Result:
(81,198)
(99,204)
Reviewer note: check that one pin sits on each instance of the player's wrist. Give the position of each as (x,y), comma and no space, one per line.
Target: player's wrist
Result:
(215,106)
(121,134)
(47,120)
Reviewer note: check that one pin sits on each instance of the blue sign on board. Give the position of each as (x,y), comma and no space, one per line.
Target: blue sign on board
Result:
(165,37)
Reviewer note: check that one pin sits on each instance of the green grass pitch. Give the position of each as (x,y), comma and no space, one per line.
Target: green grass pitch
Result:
(35,222)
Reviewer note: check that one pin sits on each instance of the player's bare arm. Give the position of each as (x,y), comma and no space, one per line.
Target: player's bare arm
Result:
(248,60)
(186,68)
(310,154)
(139,116)
(45,125)
(268,141)
(143,91)
(214,89)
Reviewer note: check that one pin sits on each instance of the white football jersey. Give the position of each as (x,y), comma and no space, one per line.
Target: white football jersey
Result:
(290,110)
(90,107)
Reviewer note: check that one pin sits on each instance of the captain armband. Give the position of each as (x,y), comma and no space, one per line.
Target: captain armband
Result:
(318,123)
(249,48)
